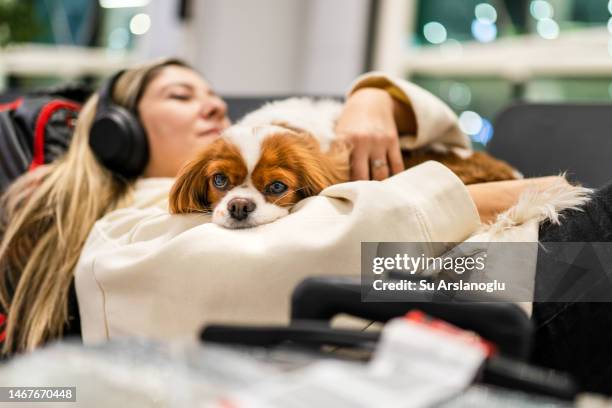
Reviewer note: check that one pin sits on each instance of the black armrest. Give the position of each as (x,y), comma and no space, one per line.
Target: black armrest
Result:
(504,324)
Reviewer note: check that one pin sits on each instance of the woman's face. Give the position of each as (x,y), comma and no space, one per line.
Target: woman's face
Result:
(181,114)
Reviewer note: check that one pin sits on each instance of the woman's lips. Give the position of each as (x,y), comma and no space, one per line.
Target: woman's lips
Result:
(210,132)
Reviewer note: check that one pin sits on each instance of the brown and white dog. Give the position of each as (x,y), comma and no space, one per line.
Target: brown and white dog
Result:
(282,153)
(260,168)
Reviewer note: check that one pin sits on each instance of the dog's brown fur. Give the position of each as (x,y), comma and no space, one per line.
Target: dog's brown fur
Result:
(480,167)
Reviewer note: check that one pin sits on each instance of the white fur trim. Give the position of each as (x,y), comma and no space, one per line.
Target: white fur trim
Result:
(541,205)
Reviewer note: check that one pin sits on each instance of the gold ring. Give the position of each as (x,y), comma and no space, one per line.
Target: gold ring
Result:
(378,163)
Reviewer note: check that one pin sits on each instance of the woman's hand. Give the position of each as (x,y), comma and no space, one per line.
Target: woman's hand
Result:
(368,123)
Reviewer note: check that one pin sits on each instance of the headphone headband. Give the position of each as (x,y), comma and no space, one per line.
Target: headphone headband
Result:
(105,93)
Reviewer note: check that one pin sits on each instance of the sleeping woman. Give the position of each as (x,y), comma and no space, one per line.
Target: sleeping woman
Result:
(89,248)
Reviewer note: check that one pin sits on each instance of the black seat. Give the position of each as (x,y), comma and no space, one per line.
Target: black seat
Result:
(545,139)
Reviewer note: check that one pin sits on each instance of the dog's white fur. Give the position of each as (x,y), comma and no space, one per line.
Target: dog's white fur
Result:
(541,206)
(317,117)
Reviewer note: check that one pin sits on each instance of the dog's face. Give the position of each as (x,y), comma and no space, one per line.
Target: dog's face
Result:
(254,175)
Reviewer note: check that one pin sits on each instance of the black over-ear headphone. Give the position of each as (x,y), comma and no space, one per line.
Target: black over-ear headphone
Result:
(117,137)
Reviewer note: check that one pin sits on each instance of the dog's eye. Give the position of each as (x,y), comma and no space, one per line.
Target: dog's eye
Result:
(276,187)
(220,180)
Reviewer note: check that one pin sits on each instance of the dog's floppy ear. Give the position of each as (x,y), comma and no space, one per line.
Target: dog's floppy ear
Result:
(189,193)
(323,169)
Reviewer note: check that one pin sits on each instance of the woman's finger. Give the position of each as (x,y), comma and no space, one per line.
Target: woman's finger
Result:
(396,161)
(360,167)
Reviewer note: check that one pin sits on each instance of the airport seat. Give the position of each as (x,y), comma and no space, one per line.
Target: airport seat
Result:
(546,139)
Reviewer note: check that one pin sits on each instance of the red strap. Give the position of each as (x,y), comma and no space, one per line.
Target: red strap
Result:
(2,321)
(11,105)
(39,130)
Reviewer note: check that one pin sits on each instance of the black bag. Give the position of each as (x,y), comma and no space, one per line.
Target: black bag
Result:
(34,130)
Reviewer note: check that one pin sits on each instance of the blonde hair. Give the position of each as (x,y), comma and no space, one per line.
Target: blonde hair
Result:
(47,216)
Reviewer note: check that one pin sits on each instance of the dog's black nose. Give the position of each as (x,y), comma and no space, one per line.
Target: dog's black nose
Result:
(239,208)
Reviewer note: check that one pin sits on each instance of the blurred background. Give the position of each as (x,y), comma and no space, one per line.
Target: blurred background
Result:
(479,56)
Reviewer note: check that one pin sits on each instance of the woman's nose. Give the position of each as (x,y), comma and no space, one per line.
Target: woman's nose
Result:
(213,109)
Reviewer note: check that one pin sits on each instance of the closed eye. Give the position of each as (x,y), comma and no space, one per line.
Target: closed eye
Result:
(180,97)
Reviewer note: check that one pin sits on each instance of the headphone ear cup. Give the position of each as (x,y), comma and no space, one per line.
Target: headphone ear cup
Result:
(119,141)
